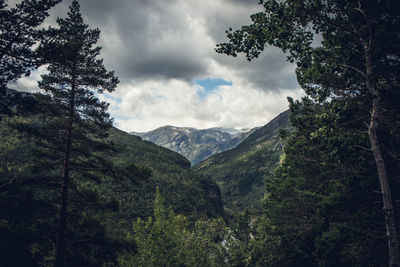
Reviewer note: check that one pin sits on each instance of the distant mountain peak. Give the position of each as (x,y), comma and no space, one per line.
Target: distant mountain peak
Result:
(231,131)
(196,145)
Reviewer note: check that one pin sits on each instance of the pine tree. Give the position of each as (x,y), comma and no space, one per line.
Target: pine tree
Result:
(18,34)
(31,153)
(75,76)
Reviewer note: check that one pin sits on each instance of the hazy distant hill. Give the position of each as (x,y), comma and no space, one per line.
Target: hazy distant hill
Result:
(241,171)
(196,145)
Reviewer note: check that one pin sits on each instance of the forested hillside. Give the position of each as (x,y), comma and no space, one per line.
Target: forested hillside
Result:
(241,172)
(185,191)
(111,199)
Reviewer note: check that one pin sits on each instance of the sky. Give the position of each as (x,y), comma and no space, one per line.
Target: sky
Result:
(163,53)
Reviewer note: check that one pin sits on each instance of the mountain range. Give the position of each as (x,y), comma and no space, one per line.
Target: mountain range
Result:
(196,145)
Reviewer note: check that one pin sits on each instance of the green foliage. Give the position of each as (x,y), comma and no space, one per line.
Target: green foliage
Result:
(240,238)
(322,208)
(321,205)
(168,239)
(75,125)
(63,140)
(158,239)
(29,216)
(18,33)
(186,192)
(28,196)
(241,172)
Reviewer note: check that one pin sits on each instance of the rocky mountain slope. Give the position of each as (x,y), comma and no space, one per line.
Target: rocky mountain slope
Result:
(241,171)
(196,145)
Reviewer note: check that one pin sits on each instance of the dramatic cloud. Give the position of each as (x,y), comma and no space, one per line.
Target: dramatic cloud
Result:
(159,49)
(179,103)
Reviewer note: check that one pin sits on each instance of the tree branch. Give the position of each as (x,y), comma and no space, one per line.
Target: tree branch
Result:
(364,148)
(368,23)
(12,179)
(356,70)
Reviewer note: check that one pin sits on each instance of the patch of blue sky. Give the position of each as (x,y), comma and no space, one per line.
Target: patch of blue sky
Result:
(112,97)
(209,85)
(162,97)
(122,117)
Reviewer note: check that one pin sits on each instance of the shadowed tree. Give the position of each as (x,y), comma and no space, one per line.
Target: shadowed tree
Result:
(357,60)
(75,76)
(18,35)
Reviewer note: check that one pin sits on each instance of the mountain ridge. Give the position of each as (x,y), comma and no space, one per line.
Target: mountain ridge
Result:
(240,172)
(194,144)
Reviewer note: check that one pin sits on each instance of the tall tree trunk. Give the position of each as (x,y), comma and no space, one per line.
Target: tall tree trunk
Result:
(60,253)
(373,127)
(388,209)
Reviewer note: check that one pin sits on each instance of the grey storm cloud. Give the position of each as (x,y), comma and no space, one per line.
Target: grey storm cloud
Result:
(149,39)
(159,48)
(132,36)
(269,72)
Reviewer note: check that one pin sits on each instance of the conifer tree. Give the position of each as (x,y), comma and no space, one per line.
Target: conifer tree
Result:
(18,34)
(75,76)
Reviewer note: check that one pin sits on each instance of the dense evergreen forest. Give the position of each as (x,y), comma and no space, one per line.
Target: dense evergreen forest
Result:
(74,191)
